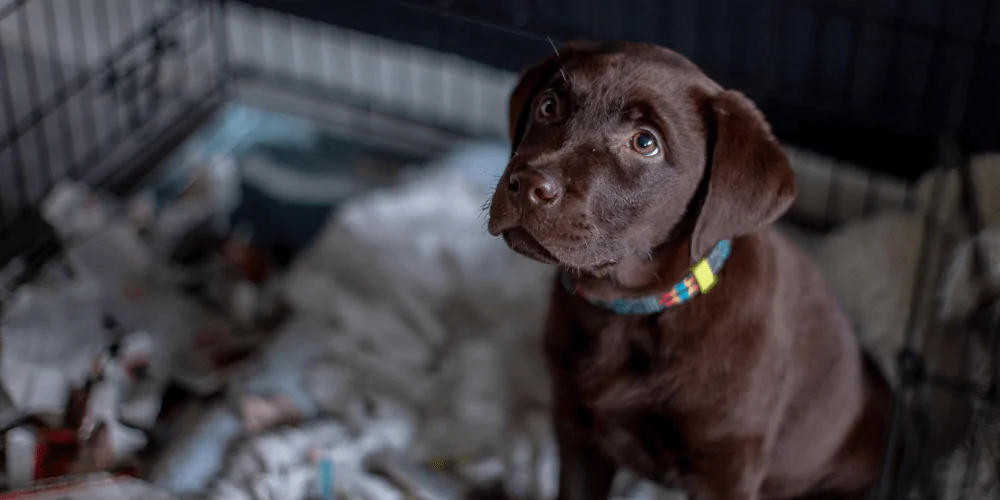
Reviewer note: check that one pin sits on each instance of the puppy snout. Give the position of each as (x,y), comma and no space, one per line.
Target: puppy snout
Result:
(529,188)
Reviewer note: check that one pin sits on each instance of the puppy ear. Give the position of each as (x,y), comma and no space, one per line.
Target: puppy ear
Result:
(751,182)
(531,83)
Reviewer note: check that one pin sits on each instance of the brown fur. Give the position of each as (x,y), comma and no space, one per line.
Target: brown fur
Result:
(755,390)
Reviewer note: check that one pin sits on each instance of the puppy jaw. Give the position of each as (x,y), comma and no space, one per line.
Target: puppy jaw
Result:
(522,242)
(566,235)
(507,221)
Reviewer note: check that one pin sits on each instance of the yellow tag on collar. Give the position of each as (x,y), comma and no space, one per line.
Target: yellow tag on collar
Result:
(703,275)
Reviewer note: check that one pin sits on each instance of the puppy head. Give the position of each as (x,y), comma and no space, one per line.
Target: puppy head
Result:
(621,147)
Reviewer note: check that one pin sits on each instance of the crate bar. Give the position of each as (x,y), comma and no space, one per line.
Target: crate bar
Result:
(86,76)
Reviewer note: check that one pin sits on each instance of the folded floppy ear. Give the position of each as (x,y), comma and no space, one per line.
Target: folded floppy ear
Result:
(533,81)
(750,180)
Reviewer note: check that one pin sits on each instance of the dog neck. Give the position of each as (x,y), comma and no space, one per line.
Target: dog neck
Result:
(699,280)
(639,274)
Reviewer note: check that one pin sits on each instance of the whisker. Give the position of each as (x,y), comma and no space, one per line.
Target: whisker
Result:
(484,211)
(558,61)
(656,275)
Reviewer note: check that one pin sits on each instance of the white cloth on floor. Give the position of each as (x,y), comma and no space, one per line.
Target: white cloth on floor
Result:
(51,335)
(426,318)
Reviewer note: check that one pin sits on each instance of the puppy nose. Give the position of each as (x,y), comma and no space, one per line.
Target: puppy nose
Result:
(533,187)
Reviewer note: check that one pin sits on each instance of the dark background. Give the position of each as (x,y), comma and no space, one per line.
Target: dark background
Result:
(875,82)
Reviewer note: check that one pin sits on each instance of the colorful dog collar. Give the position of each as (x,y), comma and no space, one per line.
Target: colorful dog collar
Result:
(700,279)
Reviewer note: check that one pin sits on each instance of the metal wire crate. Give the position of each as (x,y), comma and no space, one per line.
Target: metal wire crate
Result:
(100,90)
(92,91)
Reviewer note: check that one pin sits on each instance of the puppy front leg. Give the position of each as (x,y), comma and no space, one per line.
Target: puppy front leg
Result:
(585,472)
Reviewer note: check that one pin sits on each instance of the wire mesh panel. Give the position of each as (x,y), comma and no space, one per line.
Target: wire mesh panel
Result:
(371,74)
(82,81)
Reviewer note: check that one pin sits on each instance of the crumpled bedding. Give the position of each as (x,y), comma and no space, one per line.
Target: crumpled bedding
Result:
(406,306)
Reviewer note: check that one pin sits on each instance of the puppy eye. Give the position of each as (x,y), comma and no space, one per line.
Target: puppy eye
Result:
(644,143)
(548,107)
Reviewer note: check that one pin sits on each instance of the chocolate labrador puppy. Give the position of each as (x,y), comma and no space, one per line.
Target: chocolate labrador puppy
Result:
(686,340)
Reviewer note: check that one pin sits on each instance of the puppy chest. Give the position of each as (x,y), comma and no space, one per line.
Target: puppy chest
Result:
(620,371)
(621,364)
